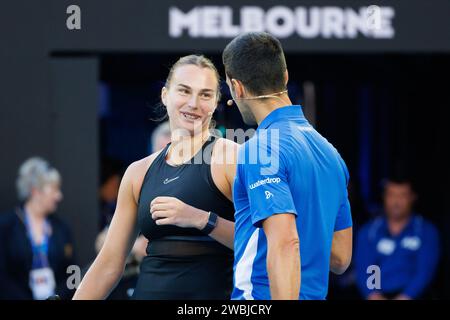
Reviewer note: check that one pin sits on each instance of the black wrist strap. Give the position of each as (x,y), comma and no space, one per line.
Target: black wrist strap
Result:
(212,222)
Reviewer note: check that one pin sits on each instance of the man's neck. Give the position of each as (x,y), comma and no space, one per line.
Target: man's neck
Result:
(262,108)
(396,226)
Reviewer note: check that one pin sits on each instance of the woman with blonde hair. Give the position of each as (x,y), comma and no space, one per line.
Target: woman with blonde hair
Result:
(180,199)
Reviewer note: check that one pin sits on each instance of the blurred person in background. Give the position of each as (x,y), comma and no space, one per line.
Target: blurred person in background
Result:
(403,244)
(111,174)
(160,137)
(35,245)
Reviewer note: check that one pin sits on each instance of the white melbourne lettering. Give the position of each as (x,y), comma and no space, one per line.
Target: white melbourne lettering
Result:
(325,22)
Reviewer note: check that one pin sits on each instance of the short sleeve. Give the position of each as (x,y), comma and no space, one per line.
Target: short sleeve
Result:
(268,190)
(344,217)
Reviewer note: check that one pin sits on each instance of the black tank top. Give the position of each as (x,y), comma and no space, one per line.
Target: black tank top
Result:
(191,183)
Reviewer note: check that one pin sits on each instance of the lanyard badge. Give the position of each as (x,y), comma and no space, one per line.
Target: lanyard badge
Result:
(42,279)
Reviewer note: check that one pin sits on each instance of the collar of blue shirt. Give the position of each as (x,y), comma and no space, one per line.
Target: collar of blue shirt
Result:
(283,113)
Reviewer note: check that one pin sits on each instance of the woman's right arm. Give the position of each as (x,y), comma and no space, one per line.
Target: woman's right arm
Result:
(109,265)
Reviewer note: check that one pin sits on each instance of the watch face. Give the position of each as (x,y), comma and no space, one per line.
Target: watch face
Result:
(211,224)
(213,219)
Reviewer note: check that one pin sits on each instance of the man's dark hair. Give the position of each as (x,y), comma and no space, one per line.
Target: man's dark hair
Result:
(257,60)
(398,179)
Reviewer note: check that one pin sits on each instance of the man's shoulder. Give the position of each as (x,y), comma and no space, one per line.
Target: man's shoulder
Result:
(427,224)
(276,137)
(371,226)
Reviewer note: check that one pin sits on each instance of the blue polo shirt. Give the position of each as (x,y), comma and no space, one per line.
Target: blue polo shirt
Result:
(288,167)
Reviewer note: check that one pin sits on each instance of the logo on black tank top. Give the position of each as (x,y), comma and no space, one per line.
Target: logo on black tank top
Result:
(170,180)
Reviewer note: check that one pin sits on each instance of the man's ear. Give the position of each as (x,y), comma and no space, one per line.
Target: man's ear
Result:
(239,89)
(164,95)
(286,77)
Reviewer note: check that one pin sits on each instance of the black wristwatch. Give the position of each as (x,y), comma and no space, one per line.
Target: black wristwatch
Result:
(212,222)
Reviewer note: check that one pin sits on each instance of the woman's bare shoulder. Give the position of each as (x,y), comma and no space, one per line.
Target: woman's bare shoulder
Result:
(136,172)
(223,165)
(226,149)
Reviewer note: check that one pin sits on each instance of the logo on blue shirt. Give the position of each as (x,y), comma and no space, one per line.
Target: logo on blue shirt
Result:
(268,194)
(265,181)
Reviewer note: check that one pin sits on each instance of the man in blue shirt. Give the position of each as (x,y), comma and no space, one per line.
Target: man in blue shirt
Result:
(293,221)
(403,245)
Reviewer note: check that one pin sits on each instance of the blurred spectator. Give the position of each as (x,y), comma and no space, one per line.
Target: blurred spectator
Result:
(35,246)
(111,174)
(403,244)
(160,137)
